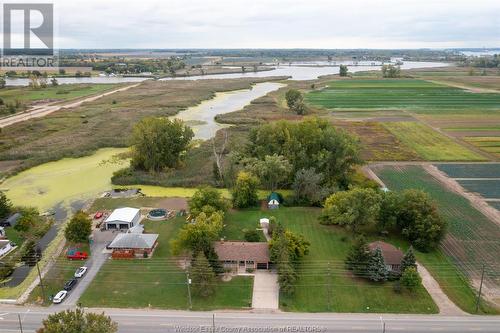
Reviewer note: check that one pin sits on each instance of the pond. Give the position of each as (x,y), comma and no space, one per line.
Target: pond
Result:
(201,117)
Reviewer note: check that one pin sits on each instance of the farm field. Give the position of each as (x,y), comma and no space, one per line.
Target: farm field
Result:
(489,189)
(429,144)
(316,289)
(471,241)
(490,144)
(159,282)
(410,94)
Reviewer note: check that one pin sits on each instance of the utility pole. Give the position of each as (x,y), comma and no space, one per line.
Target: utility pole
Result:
(480,289)
(41,281)
(383,324)
(20,323)
(188,281)
(213,323)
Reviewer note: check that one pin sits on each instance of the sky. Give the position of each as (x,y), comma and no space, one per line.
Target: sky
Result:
(276,23)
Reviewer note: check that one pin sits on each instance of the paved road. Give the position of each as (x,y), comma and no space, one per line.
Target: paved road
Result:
(157,321)
(43,110)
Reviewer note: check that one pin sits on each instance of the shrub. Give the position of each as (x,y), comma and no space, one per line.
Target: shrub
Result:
(252,236)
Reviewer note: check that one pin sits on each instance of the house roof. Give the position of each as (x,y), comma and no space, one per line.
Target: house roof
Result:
(125,214)
(134,241)
(273,196)
(4,243)
(233,250)
(392,255)
(12,220)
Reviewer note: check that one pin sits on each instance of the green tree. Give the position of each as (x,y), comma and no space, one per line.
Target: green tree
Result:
(354,208)
(79,228)
(159,143)
(358,257)
(343,71)
(308,189)
(5,206)
(2,83)
(391,71)
(287,275)
(389,206)
(54,82)
(206,199)
(409,260)
(273,171)
(376,267)
(78,321)
(293,96)
(29,218)
(419,220)
(245,190)
(252,235)
(203,278)
(198,236)
(411,279)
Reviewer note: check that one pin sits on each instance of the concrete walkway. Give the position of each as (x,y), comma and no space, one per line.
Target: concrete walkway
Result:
(265,291)
(445,305)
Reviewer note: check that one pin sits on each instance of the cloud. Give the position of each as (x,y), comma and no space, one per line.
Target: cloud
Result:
(277,23)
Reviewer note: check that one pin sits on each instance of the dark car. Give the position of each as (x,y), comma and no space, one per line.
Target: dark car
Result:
(70,284)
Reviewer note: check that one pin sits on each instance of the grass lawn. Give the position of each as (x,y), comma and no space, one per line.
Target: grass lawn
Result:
(416,95)
(430,144)
(159,282)
(324,285)
(472,238)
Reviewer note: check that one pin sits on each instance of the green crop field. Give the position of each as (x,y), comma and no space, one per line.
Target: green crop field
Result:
(429,144)
(490,144)
(410,94)
(324,284)
(468,170)
(489,189)
(471,241)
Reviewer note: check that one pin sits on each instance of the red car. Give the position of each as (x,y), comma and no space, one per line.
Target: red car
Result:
(76,255)
(98,215)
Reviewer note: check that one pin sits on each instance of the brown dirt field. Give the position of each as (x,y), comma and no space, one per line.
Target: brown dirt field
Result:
(378,143)
(480,84)
(173,203)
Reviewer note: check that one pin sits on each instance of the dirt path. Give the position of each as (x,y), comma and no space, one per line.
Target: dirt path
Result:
(445,305)
(43,110)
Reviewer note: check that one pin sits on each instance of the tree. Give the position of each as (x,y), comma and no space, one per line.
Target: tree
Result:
(78,321)
(411,279)
(2,83)
(343,70)
(358,258)
(419,220)
(54,82)
(408,260)
(5,206)
(79,228)
(308,189)
(391,71)
(272,171)
(376,267)
(252,235)
(29,218)
(159,143)
(287,275)
(198,236)
(203,277)
(245,190)
(354,208)
(207,199)
(389,206)
(312,143)
(295,101)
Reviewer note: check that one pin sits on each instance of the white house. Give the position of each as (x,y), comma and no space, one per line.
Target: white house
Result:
(123,218)
(5,247)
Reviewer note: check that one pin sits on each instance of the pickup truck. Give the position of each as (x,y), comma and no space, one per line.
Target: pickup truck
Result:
(76,255)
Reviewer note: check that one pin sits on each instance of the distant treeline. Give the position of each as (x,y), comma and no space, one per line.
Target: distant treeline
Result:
(483,61)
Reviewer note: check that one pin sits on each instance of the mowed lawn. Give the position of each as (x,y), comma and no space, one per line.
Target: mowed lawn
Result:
(159,282)
(417,95)
(471,241)
(324,285)
(429,144)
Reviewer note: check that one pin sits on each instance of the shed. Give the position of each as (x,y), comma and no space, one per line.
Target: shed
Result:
(392,255)
(123,218)
(5,247)
(238,255)
(273,201)
(139,243)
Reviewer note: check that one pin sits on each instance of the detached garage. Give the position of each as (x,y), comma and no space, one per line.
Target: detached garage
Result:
(123,218)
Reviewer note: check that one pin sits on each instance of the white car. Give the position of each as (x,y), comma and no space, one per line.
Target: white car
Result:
(60,296)
(80,272)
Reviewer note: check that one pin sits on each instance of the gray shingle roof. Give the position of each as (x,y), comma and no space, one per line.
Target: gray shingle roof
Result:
(134,241)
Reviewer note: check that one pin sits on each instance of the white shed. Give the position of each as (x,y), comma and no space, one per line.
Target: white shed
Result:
(5,247)
(123,218)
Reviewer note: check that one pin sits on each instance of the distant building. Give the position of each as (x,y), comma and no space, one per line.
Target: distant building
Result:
(392,255)
(5,247)
(123,218)
(240,256)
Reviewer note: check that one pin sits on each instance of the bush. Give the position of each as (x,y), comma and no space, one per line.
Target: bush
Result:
(252,236)
(410,279)
(250,270)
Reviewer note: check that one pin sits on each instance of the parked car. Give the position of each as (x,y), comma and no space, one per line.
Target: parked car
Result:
(59,297)
(80,272)
(98,215)
(70,284)
(74,254)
